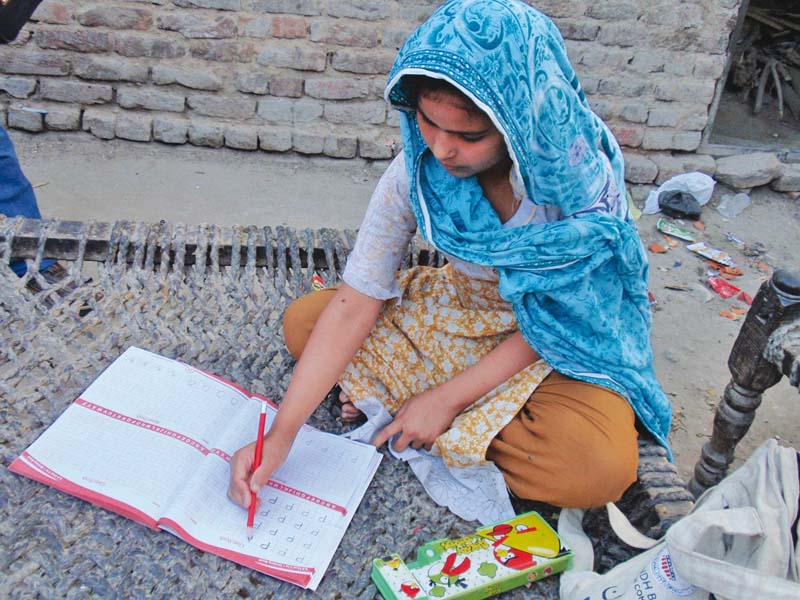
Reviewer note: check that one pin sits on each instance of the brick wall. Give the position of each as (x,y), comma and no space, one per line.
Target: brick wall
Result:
(307,75)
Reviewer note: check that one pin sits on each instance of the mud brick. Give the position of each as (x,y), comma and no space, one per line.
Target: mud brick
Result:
(308,8)
(170,130)
(613,11)
(116,17)
(340,147)
(251,82)
(681,116)
(33,63)
(625,87)
(668,139)
(357,112)
(301,58)
(18,87)
(191,26)
(363,61)
(625,34)
(577,29)
(394,37)
(206,134)
(639,168)
(25,118)
(634,113)
(63,118)
(276,110)
(151,46)
(308,143)
(337,89)
(288,86)
(415,14)
(150,99)
(670,165)
(110,69)
(50,11)
(708,66)
(68,39)
(274,139)
(100,123)
(305,110)
(217,4)
(223,51)
(628,134)
(222,106)
(344,34)
(257,27)
(788,180)
(241,137)
(699,92)
(138,128)
(366,10)
(376,147)
(191,78)
(74,91)
(393,118)
(289,27)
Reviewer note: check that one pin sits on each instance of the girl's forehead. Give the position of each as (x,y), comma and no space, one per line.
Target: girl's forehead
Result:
(454,104)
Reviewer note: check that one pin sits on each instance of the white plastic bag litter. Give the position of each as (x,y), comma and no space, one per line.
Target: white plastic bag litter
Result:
(736,543)
(699,185)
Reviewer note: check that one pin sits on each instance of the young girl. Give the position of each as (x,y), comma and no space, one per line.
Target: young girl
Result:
(528,354)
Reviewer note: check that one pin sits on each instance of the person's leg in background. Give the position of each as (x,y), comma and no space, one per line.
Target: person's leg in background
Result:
(16,194)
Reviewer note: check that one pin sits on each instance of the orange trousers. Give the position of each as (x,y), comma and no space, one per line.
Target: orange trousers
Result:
(573,444)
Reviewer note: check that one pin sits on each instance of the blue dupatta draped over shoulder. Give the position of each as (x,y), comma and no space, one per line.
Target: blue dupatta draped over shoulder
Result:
(578,286)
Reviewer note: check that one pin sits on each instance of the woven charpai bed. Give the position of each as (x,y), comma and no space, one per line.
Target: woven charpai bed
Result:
(212,297)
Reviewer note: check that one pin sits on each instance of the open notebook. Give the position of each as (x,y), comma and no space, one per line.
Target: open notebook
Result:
(151,438)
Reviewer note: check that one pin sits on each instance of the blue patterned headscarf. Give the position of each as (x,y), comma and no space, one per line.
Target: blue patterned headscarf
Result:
(578,286)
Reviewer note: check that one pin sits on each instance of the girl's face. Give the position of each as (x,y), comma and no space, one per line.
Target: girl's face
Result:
(465,142)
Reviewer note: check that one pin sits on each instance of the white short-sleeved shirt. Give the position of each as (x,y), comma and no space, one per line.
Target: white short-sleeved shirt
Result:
(389,225)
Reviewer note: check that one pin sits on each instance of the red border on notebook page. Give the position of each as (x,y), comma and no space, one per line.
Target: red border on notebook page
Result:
(42,474)
(305,496)
(298,575)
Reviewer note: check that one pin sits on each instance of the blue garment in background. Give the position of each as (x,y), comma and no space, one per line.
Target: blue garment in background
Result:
(16,194)
(578,286)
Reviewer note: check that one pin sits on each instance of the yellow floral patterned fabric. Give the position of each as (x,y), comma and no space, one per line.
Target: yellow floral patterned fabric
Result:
(443,322)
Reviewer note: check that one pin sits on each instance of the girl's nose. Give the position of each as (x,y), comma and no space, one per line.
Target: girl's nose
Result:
(443,148)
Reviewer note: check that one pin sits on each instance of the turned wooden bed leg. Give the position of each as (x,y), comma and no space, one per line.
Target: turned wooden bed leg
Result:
(777,301)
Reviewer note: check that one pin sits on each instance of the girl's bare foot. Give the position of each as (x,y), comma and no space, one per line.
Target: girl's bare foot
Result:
(349,411)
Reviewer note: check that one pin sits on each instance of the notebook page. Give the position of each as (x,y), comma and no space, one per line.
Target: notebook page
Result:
(122,444)
(167,393)
(303,514)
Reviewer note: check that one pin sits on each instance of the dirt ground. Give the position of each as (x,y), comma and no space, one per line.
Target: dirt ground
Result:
(79,177)
(736,124)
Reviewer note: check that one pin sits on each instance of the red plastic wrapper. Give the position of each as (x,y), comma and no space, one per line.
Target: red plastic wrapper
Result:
(722,287)
(746,298)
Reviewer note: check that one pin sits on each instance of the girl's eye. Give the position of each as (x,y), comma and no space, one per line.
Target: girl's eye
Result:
(470,139)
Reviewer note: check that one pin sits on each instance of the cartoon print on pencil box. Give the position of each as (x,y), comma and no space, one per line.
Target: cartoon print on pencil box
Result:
(447,575)
(487,569)
(410,588)
(523,538)
(394,563)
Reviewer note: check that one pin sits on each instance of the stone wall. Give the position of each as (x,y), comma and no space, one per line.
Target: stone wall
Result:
(307,75)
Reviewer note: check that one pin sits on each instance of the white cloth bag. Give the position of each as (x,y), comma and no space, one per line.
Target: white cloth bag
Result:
(735,543)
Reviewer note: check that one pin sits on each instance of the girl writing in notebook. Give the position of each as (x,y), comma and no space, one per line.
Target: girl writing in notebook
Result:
(530,349)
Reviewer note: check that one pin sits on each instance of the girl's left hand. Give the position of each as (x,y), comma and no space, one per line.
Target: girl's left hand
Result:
(419,422)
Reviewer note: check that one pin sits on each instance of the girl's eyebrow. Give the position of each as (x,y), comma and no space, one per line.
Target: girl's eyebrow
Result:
(427,119)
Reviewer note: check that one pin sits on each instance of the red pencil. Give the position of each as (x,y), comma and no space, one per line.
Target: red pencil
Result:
(251,511)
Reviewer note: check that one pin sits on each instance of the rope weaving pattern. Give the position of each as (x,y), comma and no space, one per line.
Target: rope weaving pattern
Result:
(212,297)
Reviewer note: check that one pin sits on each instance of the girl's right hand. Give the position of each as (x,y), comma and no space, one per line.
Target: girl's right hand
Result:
(243,480)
